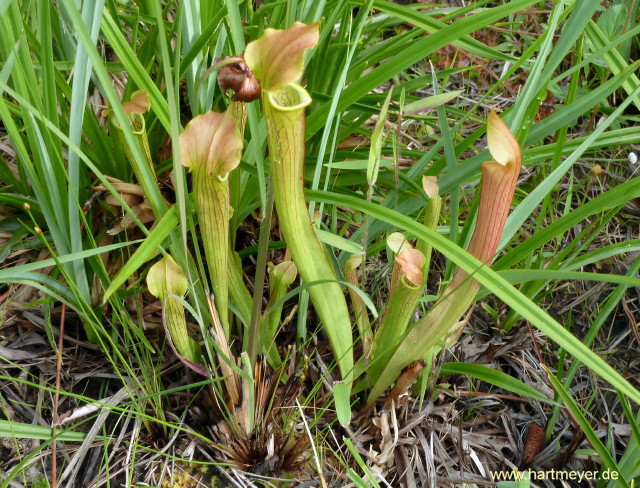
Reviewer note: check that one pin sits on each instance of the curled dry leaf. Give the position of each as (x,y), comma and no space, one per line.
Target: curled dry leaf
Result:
(143,213)
(388,441)
(403,383)
(130,193)
(353,142)
(133,196)
(277,58)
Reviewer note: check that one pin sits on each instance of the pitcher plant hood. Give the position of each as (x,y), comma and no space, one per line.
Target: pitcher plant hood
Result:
(212,142)
(277,58)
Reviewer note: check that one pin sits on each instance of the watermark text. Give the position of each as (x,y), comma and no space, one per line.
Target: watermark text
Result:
(554,474)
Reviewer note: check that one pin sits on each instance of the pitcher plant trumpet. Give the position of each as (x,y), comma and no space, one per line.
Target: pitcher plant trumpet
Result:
(407,285)
(210,147)
(277,60)
(167,281)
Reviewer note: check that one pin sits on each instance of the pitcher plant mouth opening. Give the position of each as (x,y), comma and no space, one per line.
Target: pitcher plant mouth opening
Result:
(289,98)
(136,121)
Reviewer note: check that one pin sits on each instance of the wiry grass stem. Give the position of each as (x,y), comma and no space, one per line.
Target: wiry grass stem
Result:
(255,333)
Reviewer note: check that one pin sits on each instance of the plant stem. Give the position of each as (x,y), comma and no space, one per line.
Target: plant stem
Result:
(359,309)
(261,267)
